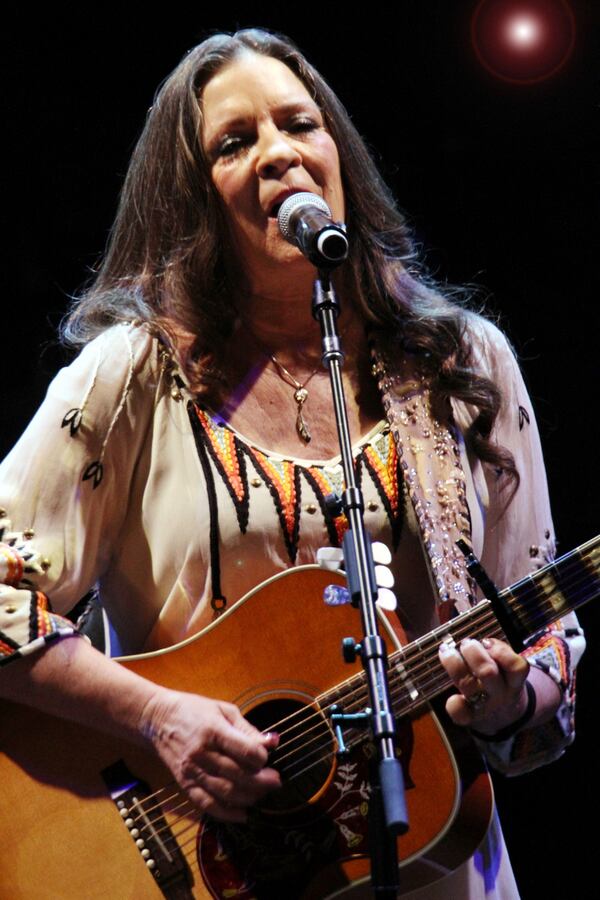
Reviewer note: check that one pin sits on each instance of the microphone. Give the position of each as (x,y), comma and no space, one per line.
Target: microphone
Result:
(305,220)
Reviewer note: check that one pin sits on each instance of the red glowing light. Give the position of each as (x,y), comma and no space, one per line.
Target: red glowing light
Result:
(523,31)
(523,41)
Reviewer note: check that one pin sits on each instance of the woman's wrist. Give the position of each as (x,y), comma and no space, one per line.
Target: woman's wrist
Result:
(528,704)
(153,715)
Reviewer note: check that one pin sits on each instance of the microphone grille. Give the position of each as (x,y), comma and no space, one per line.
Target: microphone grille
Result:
(294,202)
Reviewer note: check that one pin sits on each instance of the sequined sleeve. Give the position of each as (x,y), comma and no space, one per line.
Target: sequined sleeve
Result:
(518,539)
(64,489)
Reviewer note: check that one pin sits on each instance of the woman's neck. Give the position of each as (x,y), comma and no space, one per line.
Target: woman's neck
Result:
(280,323)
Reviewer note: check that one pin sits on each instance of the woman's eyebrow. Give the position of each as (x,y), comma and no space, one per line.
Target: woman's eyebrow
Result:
(242,120)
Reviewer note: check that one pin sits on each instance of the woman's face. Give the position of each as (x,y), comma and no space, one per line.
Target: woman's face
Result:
(265,139)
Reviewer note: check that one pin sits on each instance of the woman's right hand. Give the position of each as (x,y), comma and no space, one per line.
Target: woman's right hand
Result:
(216,756)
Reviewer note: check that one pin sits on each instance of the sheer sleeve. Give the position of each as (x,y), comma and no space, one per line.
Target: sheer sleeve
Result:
(64,487)
(519,538)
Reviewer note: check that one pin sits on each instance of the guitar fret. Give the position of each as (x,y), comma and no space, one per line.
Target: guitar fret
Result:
(559,587)
(407,684)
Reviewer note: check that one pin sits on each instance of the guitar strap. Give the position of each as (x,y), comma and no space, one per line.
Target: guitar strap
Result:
(432,469)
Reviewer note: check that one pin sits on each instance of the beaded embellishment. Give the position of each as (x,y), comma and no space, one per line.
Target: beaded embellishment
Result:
(432,471)
(227,453)
(284,478)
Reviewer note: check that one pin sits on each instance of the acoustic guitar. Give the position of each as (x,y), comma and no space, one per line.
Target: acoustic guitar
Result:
(85,816)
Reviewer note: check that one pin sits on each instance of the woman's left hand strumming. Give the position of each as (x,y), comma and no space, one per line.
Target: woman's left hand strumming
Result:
(492,680)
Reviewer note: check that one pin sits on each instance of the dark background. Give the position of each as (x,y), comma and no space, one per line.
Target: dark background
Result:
(496,179)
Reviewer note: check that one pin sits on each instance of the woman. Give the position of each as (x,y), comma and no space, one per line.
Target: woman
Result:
(200,299)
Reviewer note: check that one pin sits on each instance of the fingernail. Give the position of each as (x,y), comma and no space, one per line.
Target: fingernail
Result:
(446,649)
(466,642)
(487,643)
(271,737)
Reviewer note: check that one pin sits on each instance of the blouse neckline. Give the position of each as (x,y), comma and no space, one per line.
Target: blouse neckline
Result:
(379,428)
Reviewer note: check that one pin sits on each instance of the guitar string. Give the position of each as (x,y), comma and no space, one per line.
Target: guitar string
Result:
(144,811)
(174,836)
(319,759)
(480,621)
(440,678)
(351,701)
(402,657)
(525,591)
(363,696)
(359,694)
(414,674)
(431,687)
(421,700)
(416,648)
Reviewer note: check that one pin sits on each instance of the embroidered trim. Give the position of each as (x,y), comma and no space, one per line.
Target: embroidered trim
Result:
(74,417)
(35,645)
(11,565)
(218,600)
(94,471)
(381,459)
(283,478)
(325,482)
(523,417)
(7,646)
(40,625)
(18,556)
(227,452)
(551,654)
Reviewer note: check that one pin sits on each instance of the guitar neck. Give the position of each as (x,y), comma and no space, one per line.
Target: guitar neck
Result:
(416,674)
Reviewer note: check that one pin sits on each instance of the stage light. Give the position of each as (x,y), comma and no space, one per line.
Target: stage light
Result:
(523,41)
(523,32)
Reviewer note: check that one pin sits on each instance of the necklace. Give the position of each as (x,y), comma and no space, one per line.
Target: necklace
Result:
(300,395)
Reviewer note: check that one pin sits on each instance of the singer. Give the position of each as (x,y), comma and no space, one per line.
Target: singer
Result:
(185,455)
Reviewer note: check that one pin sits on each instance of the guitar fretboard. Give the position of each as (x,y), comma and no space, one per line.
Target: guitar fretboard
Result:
(416,674)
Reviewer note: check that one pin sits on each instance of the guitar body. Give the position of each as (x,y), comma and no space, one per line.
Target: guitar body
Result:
(273,653)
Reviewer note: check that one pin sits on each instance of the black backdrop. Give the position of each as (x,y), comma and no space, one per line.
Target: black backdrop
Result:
(495,178)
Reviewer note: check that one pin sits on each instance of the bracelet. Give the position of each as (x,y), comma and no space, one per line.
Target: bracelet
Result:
(505,733)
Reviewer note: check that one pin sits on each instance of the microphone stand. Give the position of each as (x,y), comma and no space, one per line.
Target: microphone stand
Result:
(387,809)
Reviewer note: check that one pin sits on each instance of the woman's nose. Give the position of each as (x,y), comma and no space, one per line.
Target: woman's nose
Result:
(277,153)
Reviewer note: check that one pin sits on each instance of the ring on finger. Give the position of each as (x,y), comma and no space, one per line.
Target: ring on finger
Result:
(478,699)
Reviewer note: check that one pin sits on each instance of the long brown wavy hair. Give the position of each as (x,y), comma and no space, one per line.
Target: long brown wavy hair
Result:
(169,260)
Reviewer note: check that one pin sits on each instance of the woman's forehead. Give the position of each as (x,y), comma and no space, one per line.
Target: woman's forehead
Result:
(248,84)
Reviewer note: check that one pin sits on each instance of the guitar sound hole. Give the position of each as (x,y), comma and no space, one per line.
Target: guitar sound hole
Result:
(305,756)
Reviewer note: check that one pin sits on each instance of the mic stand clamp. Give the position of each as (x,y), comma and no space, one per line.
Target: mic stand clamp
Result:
(387,808)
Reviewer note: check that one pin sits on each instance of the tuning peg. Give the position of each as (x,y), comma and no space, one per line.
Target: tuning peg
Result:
(381,553)
(384,577)
(330,558)
(386,599)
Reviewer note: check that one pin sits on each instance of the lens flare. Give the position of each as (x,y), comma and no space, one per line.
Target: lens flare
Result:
(523,41)
(522,31)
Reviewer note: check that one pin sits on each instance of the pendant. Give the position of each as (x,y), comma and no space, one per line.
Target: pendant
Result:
(301,427)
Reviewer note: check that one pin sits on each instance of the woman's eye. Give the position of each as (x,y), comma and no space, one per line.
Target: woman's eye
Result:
(230,146)
(300,125)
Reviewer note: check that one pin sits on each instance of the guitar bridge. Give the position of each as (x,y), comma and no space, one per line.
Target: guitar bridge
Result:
(142,815)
